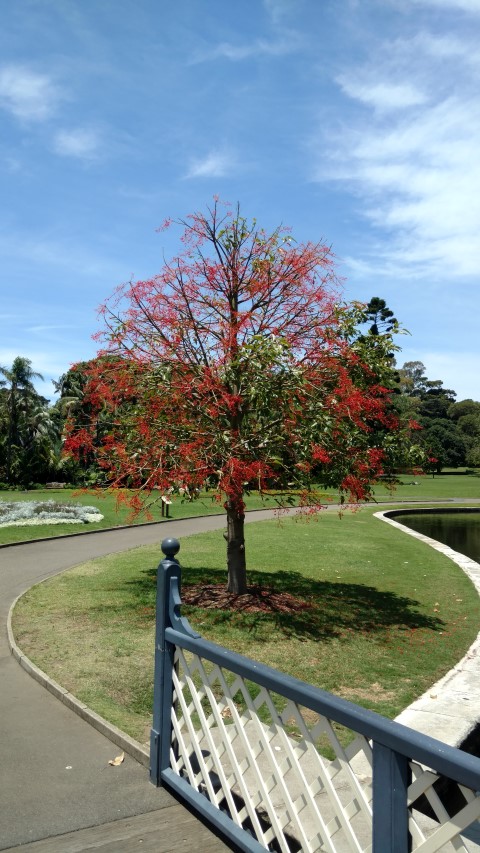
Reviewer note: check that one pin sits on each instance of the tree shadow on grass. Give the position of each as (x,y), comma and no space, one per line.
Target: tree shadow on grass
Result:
(326,610)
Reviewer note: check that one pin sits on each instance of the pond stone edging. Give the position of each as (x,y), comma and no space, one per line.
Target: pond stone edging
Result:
(450,709)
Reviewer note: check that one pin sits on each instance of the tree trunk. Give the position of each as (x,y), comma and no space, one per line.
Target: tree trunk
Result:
(236,562)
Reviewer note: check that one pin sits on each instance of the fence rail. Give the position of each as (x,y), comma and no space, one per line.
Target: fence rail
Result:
(277,764)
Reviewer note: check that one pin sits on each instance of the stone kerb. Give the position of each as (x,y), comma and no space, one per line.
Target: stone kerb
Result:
(448,710)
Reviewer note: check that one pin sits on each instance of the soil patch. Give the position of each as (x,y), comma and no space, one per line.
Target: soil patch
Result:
(256,600)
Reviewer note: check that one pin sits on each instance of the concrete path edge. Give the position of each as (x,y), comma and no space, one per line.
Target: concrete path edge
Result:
(136,750)
(119,738)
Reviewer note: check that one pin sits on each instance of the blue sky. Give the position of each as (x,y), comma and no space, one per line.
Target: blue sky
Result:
(355,122)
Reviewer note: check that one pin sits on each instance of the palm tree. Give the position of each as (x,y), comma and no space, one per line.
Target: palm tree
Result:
(22,411)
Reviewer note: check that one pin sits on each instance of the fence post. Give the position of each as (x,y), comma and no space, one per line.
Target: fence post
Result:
(390,792)
(160,737)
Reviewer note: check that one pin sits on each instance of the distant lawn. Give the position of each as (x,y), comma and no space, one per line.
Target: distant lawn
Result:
(387,615)
(449,484)
(419,488)
(106,503)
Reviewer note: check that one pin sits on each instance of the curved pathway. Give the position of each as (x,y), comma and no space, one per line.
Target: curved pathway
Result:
(54,772)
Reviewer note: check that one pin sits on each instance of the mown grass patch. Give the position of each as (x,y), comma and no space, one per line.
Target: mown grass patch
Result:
(114,514)
(386,615)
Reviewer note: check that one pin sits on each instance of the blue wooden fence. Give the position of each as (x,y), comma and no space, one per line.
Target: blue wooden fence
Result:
(244,745)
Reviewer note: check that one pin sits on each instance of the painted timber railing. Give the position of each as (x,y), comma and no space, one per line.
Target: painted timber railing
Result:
(276,764)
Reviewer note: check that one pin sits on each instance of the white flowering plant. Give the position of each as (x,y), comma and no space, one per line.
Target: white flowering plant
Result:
(24,513)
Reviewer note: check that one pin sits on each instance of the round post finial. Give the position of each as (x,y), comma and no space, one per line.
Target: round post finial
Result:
(170,547)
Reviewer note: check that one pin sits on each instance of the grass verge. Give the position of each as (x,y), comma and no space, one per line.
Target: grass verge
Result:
(387,615)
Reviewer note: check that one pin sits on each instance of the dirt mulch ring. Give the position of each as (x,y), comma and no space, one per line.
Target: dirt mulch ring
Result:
(256,600)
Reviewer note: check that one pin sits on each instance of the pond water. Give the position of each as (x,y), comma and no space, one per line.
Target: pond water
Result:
(459,530)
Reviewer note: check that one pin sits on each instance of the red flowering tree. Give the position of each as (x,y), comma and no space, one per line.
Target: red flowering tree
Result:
(238,367)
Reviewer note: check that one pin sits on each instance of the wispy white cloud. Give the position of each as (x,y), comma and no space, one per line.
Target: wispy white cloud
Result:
(83,143)
(453,5)
(12,164)
(216,164)
(383,96)
(446,47)
(47,329)
(410,153)
(280,9)
(57,254)
(27,94)
(34,97)
(284,42)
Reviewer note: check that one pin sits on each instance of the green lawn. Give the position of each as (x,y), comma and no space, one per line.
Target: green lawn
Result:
(387,615)
(114,515)
(447,485)
(420,488)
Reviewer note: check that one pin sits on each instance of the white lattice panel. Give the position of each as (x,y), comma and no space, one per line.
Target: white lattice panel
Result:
(257,756)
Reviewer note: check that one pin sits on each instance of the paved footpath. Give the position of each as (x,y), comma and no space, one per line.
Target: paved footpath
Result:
(54,772)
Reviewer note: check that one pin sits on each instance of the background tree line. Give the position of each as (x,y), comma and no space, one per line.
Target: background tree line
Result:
(32,428)
(450,430)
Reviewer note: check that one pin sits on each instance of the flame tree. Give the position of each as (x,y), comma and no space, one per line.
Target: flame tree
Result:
(238,366)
